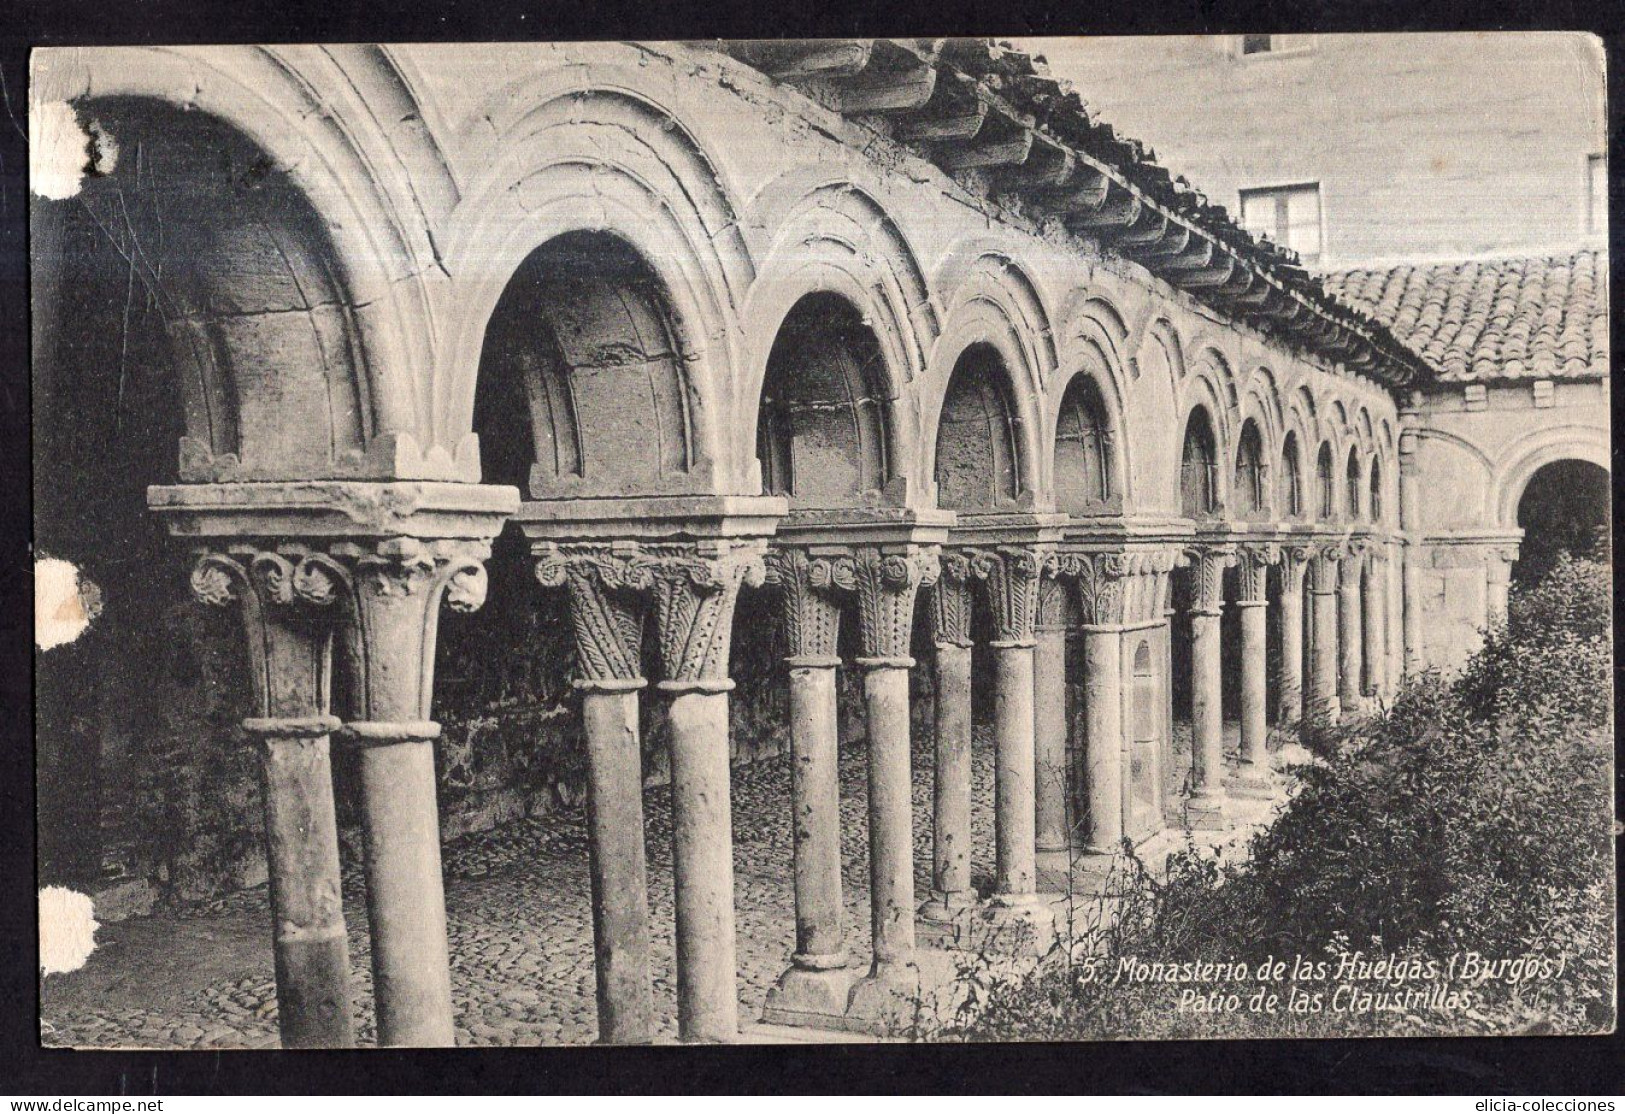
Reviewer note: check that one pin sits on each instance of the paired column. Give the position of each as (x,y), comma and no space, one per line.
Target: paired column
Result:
(1321,705)
(887,582)
(1294,565)
(1050,725)
(607,617)
(1100,582)
(287,604)
(817,982)
(1254,777)
(1206,806)
(1351,641)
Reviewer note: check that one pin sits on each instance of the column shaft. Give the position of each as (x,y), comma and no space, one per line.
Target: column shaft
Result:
(815,799)
(1254,664)
(951,794)
(1207,717)
(1015,815)
(1321,704)
(406,899)
(702,855)
(1103,743)
(1373,627)
(1350,642)
(1050,730)
(891,826)
(1291,684)
(620,898)
(301,837)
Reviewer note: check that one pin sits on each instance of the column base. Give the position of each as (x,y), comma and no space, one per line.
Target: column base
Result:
(885,1002)
(1023,926)
(1253,782)
(812,997)
(1052,860)
(1206,814)
(941,922)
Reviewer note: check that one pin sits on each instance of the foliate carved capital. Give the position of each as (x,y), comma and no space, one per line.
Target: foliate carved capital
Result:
(887,584)
(695,588)
(1099,584)
(1253,565)
(1323,567)
(951,601)
(1009,574)
(606,612)
(809,589)
(449,570)
(1294,564)
(1208,563)
(293,580)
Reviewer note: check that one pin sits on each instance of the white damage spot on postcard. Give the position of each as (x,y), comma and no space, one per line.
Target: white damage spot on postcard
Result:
(62,151)
(65,603)
(67,930)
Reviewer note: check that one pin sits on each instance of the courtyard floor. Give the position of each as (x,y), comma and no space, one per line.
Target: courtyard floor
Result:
(517,900)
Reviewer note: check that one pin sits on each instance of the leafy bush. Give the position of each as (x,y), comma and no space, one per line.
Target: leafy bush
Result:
(1470,816)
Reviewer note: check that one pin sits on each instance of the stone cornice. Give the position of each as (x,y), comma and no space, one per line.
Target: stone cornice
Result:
(333,509)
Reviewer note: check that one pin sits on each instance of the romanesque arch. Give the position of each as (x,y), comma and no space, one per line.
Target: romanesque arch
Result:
(1252,493)
(1294,501)
(612,163)
(822,433)
(1353,486)
(979,460)
(1325,500)
(1201,492)
(1087,475)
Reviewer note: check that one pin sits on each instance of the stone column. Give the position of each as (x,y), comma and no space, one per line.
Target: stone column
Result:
(1321,706)
(1294,563)
(1050,726)
(1351,640)
(887,583)
(1100,582)
(1206,806)
(817,982)
(1410,517)
(1373,626)
(607,618)
(695,588)
(1254,779)
(398,587)
(1394,614)
(951,793)
(285,599)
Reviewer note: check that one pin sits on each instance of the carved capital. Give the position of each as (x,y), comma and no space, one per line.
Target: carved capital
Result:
(809,591)
(1294,564)
(1009,575)
(606,610)
(1099,583)
(1208,563)
(951,601)
(1052,610)
(1253,565)
(887,584)
(695,586)
(1323,567)
(285,598)
(396,588)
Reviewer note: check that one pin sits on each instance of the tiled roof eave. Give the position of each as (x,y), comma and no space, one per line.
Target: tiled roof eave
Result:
(967,104)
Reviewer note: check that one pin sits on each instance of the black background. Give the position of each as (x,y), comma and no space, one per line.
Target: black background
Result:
(1478,1067)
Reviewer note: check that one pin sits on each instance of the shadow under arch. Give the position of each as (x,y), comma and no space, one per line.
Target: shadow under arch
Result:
(823,434)
(583,367)
(979,465)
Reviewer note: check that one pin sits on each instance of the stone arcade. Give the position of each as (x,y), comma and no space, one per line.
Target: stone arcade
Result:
(891,329)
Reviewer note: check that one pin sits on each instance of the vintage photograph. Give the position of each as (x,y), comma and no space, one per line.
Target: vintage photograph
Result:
(819,541)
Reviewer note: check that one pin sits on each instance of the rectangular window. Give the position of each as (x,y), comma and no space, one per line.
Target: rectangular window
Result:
(1286,215)
(1597,193)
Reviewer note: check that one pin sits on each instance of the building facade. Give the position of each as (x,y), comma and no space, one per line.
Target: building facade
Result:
(881,362)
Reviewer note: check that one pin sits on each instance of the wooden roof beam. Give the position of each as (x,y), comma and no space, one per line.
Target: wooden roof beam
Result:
(897,79)
(794,59)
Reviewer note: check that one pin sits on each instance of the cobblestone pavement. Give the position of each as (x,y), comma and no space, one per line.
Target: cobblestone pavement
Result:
(517,900)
